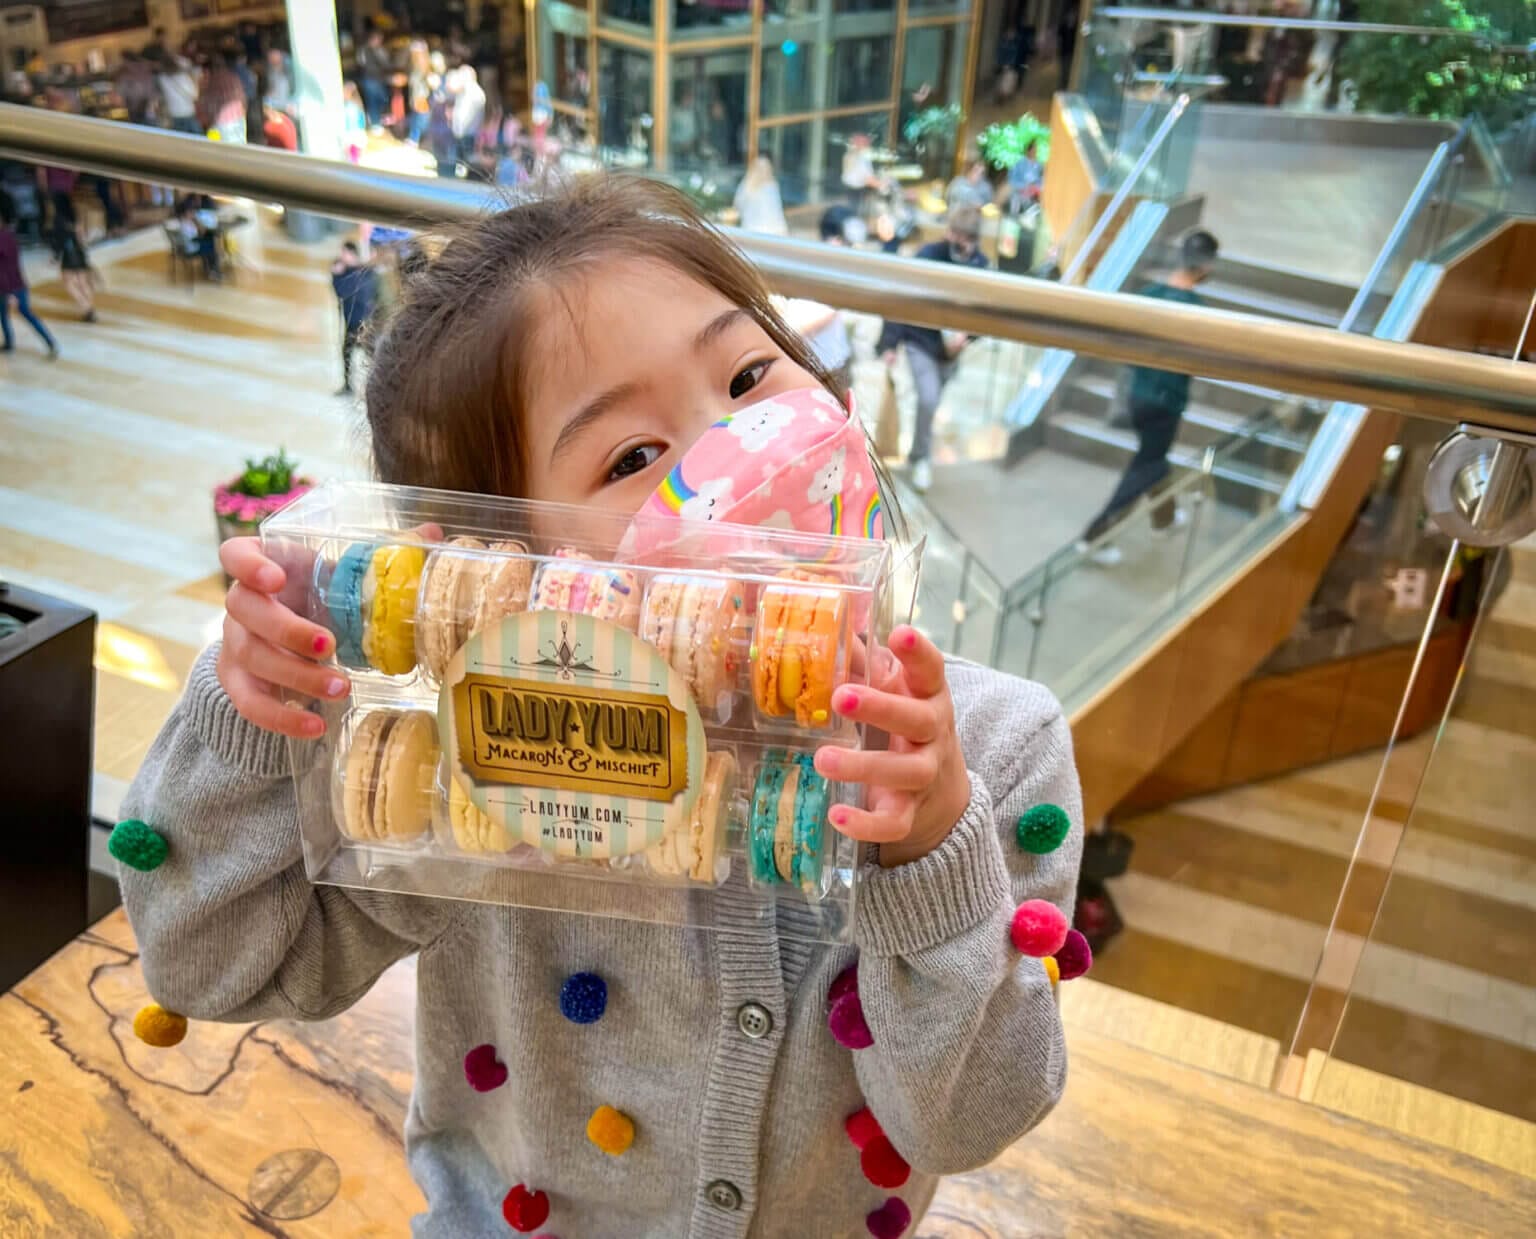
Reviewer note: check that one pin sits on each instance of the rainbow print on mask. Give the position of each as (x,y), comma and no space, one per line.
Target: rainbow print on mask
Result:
(674,490)
(872,519)
(837,514)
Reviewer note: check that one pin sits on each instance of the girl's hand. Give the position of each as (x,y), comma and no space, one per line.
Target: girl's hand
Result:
(267,648)
(919,787)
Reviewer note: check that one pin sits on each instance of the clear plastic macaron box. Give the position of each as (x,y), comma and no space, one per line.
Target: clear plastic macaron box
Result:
(542,714)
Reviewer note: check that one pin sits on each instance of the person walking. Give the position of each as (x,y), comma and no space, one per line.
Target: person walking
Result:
(467,111)
(1157,401)
(373,69)
(75,270)
(178,95)
(221,105)
(357,291)
(13,286)
(932,354)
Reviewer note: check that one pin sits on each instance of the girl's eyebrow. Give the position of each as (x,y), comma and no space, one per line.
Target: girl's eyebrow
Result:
(718,326)
(591,412)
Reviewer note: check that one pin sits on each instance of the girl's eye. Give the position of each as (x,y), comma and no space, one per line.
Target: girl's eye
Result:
(635,460)
(748,379)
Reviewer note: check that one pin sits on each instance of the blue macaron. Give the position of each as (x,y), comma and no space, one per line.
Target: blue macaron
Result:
(344,603)
(807,820)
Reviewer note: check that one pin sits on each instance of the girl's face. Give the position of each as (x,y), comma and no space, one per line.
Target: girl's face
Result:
(629,366)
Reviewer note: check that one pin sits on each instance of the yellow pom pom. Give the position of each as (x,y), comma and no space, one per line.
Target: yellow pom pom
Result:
(1052,969)
(156,1026)
(610,1131)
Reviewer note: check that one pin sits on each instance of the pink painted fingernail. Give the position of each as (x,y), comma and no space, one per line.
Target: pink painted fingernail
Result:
(335,686)
(909,639)
(314,726)
(846,701)
(838,816)
(321,643)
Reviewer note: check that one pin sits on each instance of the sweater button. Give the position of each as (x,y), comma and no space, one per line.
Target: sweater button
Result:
(724,1195)
(754,1020)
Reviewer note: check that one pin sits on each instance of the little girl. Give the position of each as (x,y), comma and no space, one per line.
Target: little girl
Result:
(572,349)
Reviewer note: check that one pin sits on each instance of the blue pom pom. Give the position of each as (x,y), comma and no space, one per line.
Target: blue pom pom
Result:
(583,998)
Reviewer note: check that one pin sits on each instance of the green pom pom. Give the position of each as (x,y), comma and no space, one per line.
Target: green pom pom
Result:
(137,845)
(1042,829)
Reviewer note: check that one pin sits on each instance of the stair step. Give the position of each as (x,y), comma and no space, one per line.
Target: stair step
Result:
(1070,430)
(1222,295)
(1218,422)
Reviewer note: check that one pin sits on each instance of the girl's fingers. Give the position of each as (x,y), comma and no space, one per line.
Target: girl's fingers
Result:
(903,772)
(244,560)
(270,620)
(258,707)
(887,824)
(920,659)
(282,670)
(911,718)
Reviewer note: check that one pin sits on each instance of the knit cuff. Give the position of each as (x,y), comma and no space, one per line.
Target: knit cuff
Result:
(938,897)
(216,722)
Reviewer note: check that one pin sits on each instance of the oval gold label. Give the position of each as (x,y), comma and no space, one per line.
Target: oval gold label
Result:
(572,733)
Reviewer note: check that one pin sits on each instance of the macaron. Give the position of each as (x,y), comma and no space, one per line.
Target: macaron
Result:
(690,848)
(473,830)
(788,823)
(567,584)
(388,778)
(389,608)
(795,648)
(463,589)
(343,595)
(689,620)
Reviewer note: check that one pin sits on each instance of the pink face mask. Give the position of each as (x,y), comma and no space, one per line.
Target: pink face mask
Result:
(798,461)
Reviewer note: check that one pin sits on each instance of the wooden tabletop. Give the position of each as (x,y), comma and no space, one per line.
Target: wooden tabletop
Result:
(286,1129)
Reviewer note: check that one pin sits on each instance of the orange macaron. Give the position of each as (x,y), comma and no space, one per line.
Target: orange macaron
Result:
(796,645)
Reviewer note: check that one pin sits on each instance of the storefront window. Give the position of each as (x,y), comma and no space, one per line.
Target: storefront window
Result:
(789,146)
(629,14)
(707,111)
(563,52)
(929,8)
(856,70)
(624,104)
(933,76)
(860,71)
(711,18)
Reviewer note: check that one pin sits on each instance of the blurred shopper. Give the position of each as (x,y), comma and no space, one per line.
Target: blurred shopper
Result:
(758,200)
(420,85)
(277,90)
(970,188)
(354,122)
(13,286)
(178,94)
(59,186)
(373,70)
(1157,400)
(1026,177)
(221,102)
(931,354)
(278,129)
(467,112)
(858,174)
(75,270)
(356,289)
(198,226)
(135,82)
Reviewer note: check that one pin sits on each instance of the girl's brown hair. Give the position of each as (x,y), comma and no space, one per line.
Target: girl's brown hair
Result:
(448,390)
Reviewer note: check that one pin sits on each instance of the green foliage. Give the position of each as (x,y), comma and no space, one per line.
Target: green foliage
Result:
(1003,144)
(941,122)
(1442,78)
(272,476)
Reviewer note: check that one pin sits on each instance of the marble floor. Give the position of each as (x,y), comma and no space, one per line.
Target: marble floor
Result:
(109,457)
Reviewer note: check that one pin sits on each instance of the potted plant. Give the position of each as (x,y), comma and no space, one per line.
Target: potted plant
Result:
(931,134)
(262,488)
(1003,144)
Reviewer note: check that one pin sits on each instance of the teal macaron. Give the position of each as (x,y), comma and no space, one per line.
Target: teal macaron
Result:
(786,832)
(344,603)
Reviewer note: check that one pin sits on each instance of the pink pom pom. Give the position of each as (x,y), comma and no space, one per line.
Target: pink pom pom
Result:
(1038,928)
(483,1069)
(862,1127)
(846,982)
(890,1219)
(1075,956)
(846,1020)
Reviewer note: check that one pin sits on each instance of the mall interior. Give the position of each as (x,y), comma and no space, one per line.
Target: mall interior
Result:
(1292,650)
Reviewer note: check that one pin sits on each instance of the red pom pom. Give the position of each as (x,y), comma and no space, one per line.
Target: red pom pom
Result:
(1038,928)
(890,1219)
(1075,956)
(525,1210)
(483,1069)
(846,982)
(846,1020)
(862,1127)
(882,1164)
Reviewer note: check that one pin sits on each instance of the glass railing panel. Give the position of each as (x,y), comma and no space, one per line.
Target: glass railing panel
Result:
(1424,1011)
